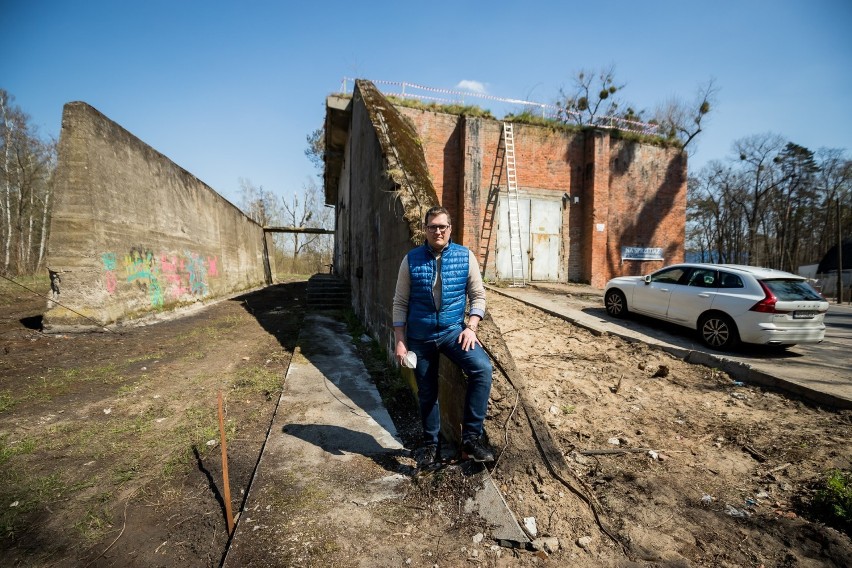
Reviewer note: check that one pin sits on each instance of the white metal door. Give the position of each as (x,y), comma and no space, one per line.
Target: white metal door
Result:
(504,252)
(545,237)
(540,219)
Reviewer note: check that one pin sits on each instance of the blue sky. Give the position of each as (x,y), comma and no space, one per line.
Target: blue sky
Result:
(230,90)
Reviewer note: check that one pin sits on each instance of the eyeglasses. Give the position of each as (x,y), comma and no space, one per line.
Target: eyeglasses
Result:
(437,228)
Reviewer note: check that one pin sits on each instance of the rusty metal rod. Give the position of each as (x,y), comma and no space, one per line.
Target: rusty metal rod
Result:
(226,484)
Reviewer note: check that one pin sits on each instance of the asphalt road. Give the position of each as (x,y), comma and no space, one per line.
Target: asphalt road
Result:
(821,372)
(838,323)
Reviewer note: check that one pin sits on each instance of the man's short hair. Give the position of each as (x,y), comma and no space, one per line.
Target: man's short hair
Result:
(434,212)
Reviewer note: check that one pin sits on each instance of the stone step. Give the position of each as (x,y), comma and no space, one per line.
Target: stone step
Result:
(328,292)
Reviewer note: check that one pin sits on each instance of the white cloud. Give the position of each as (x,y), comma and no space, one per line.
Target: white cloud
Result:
(474,86)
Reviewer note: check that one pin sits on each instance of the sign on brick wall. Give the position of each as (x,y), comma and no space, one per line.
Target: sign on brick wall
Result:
(641,253)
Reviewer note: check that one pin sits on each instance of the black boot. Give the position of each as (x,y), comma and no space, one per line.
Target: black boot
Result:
(425,456)
(476,450)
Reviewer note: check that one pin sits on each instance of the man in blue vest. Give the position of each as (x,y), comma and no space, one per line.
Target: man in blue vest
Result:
(433,285)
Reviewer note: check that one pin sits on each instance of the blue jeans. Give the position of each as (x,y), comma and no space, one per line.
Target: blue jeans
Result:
(476,366)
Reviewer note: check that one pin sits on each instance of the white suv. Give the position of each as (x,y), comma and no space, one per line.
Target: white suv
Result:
(726,303)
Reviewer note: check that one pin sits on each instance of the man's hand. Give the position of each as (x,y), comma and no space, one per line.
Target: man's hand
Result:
(400,352)
(399,339)
(468,339)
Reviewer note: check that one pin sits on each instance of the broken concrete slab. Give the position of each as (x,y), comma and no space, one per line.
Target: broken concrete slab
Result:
(489,504)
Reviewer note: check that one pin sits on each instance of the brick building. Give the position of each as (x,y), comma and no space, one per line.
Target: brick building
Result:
(593,203)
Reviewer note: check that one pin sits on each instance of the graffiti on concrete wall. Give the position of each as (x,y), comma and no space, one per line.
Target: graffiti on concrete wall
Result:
(111,280)
(160,276)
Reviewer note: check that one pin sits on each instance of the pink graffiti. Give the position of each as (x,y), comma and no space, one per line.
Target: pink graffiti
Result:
(170,269)
(111,282)
(165,273)
(212,269)
(168,265)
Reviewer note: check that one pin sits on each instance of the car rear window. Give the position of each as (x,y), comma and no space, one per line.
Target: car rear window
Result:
(791,290)
(728,280)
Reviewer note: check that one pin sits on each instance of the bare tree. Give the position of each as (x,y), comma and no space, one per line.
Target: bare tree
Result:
(260,205)
(713,204)
(761,175)
(593,94)
(835,184)
(26,173)
(776,204)
(10,124)
(683,120)
(308,210)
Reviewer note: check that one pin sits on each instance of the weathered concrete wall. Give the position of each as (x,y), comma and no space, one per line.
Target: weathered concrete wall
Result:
(134,234)
(384,190)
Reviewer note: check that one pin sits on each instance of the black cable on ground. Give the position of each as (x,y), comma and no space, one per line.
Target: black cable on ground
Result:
(550,466)
(59,304)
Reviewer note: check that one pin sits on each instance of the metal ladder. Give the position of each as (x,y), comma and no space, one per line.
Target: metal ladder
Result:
(514,215)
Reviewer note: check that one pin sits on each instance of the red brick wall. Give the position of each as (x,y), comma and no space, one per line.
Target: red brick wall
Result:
(637,192)
(544,159)
(596,208)
(440,137)
(647,196)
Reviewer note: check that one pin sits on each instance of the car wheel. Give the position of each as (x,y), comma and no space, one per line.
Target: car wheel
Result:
(616,304)
(718,331)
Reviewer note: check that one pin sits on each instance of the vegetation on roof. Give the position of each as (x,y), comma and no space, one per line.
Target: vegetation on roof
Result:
(534,119)
(456,109)
(661,141)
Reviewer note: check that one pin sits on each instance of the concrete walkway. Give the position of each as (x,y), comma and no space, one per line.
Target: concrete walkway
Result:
(826,382)
(331,451)
(333,472)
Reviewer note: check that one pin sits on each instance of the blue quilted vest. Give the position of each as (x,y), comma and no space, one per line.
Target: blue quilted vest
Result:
(424,321)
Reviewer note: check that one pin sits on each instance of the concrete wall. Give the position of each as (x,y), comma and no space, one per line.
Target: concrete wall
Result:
(376,235)
(133,234)
(383,191)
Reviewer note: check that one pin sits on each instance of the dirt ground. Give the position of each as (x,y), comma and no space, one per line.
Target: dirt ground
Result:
(109,449)
(685,466)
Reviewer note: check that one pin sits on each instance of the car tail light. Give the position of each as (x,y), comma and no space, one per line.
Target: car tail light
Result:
(767,304)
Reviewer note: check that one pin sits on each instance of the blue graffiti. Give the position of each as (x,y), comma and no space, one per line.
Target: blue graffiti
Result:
(197,270)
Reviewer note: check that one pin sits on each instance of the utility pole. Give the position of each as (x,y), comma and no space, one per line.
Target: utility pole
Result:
(839,255)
